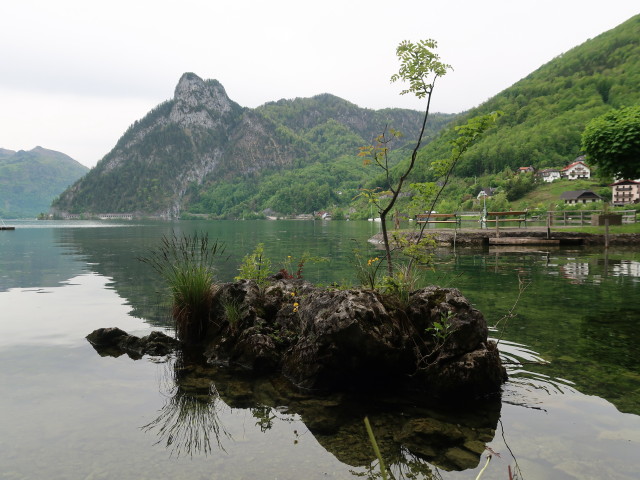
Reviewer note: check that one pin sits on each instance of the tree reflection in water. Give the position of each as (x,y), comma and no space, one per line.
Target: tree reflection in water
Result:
(189,419)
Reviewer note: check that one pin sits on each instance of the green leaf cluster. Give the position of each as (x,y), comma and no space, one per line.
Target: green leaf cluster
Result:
(612,142)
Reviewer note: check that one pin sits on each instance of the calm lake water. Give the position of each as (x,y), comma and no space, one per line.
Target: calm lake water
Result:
(571,409)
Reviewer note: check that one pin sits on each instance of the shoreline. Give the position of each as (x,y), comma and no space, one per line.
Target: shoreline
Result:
(473,237)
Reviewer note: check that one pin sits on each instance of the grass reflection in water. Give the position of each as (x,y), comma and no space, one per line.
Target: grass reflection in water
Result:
(190,419)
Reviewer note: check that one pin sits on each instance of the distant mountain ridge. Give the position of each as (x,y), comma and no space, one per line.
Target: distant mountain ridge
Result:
(200,138)
(30,180)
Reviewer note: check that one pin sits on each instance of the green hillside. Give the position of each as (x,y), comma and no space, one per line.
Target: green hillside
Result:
(29,181)
(329,130)
(546,112)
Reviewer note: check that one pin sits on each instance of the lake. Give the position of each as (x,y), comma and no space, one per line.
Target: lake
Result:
(566,321)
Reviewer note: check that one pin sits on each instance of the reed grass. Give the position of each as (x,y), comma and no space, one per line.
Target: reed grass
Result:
(186,263)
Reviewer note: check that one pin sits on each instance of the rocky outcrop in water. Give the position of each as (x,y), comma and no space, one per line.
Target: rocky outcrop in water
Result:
(329,339)
(325,340)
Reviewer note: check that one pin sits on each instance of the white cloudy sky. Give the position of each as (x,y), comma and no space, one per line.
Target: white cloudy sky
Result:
(74,74)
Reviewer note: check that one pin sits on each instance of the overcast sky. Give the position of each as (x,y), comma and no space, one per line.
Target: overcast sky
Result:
(74,74)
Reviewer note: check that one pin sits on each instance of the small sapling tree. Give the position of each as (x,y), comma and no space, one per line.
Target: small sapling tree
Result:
(420,67)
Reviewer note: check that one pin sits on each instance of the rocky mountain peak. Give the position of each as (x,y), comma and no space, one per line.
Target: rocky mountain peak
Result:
(196,99)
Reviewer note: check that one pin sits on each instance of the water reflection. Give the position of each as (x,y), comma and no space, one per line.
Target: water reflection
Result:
(190,419)
(413,438)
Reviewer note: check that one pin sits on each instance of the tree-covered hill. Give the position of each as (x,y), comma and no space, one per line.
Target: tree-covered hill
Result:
(30,180)
(546,112)
(202,153)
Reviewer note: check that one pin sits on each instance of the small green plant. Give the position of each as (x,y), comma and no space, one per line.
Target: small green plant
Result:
(403,281)
(186,263)
(443,329)
(255,266)
(367,269)
(232,311)
(376,449)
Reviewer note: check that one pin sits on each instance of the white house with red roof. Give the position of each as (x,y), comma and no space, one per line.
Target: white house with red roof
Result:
(576,170)
(625,192)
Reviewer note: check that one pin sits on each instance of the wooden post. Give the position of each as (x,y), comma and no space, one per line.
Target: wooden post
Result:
(549,225)
(497,229)
(606,233)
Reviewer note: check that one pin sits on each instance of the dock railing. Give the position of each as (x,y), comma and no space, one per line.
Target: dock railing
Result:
(439,218)
(580,217)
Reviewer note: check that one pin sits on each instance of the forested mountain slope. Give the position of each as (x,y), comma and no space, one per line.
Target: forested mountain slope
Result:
(30,180)
(546,112)
(201,152)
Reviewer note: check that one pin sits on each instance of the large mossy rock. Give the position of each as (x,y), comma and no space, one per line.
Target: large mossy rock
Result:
(329,339)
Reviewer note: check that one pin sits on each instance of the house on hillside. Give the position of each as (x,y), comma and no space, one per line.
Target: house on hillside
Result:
(549,174)
(576,170)
(486,192)
(580,196)
(625,192)
(526,170)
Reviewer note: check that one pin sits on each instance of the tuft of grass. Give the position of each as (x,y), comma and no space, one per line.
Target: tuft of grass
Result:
(232,311)
(186,263)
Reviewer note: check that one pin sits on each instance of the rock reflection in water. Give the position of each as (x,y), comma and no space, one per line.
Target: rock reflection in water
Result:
(413,438)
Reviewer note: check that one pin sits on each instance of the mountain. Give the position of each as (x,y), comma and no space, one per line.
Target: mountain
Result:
(546,112)
(29,181)
(201,152)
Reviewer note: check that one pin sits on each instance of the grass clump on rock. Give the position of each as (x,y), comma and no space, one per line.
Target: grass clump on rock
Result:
(186,263)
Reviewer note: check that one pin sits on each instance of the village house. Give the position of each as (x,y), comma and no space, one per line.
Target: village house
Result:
(526,170)
(580,196)
(625,192)
(549,174)
(576,170)
(486,192)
